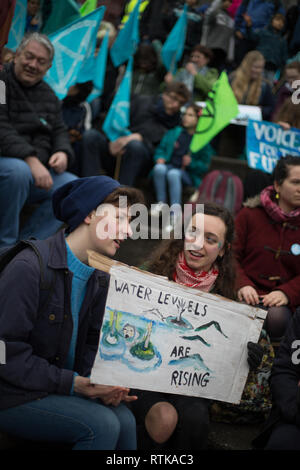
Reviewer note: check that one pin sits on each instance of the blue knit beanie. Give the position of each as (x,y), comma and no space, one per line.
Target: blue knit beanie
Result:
(73,201)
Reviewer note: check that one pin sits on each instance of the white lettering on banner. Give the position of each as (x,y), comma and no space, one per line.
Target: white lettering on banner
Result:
(2,92)
(267,150)
(268,164)
(275,135)
(253,159)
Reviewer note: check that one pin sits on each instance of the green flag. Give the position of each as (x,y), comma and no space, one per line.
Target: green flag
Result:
(88,7)
(60,14)
(221,107)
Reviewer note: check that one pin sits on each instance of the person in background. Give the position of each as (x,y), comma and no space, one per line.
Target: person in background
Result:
(148,71)
(260,12)
(150,118)
(220,34)
(45,388)
(271,43)
(175,166)
(196,74)
(287,85)
(33,19)
(267,258)
(80,116)
(249,85)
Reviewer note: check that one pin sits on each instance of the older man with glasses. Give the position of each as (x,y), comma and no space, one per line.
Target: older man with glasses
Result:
(34,145)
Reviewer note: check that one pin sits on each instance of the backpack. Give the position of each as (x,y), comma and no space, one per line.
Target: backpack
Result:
(223,188)
(47,275)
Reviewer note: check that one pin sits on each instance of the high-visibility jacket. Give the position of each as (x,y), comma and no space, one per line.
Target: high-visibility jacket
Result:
(130,7)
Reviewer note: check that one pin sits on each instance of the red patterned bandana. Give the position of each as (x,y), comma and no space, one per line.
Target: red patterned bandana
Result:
(202,280)
(267,198)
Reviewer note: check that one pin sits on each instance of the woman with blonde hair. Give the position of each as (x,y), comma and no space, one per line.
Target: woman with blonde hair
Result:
(249,86)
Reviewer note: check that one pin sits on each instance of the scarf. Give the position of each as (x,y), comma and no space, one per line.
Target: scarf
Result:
(202,280)
(267,198)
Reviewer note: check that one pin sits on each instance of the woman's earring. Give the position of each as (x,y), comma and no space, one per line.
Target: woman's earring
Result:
(277,196)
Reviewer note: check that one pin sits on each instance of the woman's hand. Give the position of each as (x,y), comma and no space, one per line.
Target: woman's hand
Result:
(109,395)
(162,161)
(285,125)
(277,298)
(249,295)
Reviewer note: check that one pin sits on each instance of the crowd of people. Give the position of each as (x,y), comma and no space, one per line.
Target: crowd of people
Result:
(56,158)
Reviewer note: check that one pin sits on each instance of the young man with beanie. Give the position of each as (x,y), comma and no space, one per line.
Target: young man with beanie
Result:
(45,390)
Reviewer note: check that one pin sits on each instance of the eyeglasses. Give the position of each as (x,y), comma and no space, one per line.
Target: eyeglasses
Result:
(173,97)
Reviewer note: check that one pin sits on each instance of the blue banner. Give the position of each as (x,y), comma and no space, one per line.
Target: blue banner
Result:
(74,45)
(267,142)
(117,120)
(18,24)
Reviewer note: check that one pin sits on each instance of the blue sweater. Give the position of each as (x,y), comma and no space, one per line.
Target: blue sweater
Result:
(81,275)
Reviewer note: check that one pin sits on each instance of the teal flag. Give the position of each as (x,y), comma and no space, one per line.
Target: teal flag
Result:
(117,120)
(127,40)
(73,46)
(63,12)
(18,24)
(173,47)
(99,69)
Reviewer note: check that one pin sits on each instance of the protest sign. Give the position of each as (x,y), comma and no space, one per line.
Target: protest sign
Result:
(160,336)
(267,142)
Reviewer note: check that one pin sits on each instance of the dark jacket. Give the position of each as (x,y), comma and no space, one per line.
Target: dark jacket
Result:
(260,12)
(271,44)
(148,118)
(31,122)
(284,382)
(37,342)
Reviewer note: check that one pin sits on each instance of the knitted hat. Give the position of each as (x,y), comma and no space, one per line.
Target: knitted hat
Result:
(73,201)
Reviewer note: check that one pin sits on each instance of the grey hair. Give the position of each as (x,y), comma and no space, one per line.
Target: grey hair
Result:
(41,39)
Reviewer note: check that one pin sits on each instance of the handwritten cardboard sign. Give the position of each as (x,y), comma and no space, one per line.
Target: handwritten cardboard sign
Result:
(160,336)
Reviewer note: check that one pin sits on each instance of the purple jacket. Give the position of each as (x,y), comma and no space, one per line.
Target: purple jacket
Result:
(37,342)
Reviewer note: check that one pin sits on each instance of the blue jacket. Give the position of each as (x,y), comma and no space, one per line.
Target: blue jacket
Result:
(37,342)
(260,12)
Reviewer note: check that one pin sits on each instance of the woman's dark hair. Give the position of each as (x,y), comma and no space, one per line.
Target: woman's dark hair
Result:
(282,169)
(163,261)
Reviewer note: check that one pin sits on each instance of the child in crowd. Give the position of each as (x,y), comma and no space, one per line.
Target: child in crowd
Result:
(175,164)
(271,43)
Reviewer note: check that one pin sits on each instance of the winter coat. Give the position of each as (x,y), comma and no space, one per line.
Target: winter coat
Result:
(37,338)
(220,30)
(271,44)
(194,24)
(148,118)
(200,160)
(31,122)
(262,249)
(260,12)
